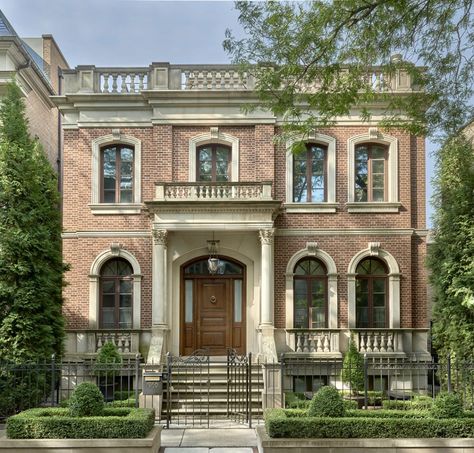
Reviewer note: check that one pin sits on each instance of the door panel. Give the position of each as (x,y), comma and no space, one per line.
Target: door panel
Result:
(214,310)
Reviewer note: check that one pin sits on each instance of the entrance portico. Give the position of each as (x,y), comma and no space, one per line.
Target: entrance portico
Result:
(181,228)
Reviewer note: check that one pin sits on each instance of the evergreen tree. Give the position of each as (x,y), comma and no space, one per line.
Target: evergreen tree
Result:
(353,368)
(451,257)
(31,266)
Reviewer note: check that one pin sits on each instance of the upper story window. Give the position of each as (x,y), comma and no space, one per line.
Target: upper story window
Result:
(310,294)
(213,163)
(309,174)
(117,165)
(371,294)
(116,294)
(370,172)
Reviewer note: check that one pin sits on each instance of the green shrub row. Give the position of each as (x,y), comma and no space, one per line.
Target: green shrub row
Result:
(130,402)
(123,394)
(420,402)
(278,425)
(56,423)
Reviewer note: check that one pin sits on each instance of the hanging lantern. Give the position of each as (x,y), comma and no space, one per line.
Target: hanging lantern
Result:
(213,263)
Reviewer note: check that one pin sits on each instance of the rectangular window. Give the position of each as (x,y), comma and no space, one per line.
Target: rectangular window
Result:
(237,300)
(370,168)
(117,174)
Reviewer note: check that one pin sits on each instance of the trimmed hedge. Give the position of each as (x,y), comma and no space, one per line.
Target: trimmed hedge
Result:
(447,405)
(417,403)
(279,425)
(55,423)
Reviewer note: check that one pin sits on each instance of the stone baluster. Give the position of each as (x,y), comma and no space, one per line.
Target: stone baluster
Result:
(383,342)
(305,343)
(124,88)
(362,346)
(114,82)
(326,343)
(369,340)
(319,347)
(376,342)
(312,343)
(99,342)
(105,78)
(132,88)
(390,342)
(299,342)
(127,344)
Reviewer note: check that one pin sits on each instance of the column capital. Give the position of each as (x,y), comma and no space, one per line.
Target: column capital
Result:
(160,237)
(266,236)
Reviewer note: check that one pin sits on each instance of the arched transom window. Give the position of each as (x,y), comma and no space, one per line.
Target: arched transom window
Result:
(371,294)
(309,174)
(116,294)
(117,174)
(214,163)
(310,294)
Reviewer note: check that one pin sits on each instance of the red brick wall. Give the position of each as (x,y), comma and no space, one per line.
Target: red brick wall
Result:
(165,154)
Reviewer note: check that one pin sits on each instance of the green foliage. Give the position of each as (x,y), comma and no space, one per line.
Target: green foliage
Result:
(296,400)
(124,394)
(86,400)
(108,361)
(451,255)
(279,425)
(327,402)
(31,267)
(129,402)
(418,402)
(447,405)
(290,45)
(353,368)
(56,423)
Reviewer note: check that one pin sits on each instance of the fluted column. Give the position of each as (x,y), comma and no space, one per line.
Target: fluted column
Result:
(160,239)
(266,239)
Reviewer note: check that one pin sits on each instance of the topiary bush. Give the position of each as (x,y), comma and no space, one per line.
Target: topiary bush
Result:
(353,368)
(86,400)
(447,405)
(327,402)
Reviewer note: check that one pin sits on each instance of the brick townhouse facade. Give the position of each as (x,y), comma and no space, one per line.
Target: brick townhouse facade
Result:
(186,226)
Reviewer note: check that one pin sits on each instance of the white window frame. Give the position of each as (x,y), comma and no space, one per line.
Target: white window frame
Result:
(212,137)
(96,205)
(94,285)
(392,203)
(330,205)
(393,302)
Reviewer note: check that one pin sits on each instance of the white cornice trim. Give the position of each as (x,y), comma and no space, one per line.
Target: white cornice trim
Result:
(106,234)
(347,232)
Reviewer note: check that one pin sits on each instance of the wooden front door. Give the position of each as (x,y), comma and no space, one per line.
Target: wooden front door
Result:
(212,308)
(214,323)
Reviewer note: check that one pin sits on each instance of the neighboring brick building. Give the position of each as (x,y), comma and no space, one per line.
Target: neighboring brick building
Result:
(33,63)
(162,171)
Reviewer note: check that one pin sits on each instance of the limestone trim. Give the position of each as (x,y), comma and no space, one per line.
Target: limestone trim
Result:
(315,252)
(374,136)
(214,136)
(116,208)
(114,251)
(329,204)
(393,283)
(349,232)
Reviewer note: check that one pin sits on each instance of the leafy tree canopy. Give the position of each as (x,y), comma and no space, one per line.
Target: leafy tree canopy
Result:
(451,257)
(333,43)
(31,267)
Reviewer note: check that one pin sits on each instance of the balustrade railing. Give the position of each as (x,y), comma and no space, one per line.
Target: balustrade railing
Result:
(163,76)
(91,341)
(379,341)
(315,340)
(225,191)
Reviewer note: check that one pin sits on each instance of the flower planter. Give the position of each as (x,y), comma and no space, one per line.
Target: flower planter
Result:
(267,444)
(149,444)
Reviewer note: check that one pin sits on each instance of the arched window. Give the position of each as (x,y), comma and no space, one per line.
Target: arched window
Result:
(213,163)
(309,174)
(371,294)
(116,294)
(310,294)
(117,164)
(370,172)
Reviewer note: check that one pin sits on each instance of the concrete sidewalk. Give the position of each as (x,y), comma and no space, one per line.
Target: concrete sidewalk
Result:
(214,440)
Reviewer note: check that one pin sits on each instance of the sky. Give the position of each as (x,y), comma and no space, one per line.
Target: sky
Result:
(137,32)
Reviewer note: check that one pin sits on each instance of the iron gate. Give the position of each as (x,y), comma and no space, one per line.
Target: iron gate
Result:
(201,388)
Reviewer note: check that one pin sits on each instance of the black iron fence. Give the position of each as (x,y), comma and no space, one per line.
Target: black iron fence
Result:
(193,390)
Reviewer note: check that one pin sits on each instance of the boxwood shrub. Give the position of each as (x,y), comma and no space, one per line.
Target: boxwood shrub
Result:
(280,424)
(447,405)
(327,402)
(419,402)
(56,423)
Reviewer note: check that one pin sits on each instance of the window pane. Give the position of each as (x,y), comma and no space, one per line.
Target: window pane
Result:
(378,152)
(377,195)
(125,318)
(379,317)
(109,196)
(318,166)
(222,154)
(108,300)
(379,286)
(123,268)
(317,182)
(108,321)
(360,195)
(237,300)
(125,286)
(300,189)
(126,196)
(125,300)
(299,384)
(378,181)
(318,318)
(188,301)
(126,155)
(316,268)
(299,167)
(379,300)
(205,154)
(205,168)
(108,287)
(362,317)
(378,166)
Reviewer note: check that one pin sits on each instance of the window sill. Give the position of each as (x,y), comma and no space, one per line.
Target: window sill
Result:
(373,207)
(301,208)
(116,208)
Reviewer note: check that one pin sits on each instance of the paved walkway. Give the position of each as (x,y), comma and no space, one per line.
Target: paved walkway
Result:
(214,440)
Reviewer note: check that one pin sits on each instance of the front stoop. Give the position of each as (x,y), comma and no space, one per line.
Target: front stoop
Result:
(267,444)
(149,444)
